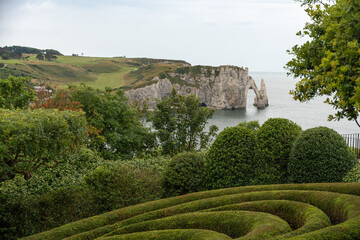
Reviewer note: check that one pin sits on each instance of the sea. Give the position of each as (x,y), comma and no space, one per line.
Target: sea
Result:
(281,105)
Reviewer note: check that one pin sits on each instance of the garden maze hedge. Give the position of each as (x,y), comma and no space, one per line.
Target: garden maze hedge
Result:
(289,211)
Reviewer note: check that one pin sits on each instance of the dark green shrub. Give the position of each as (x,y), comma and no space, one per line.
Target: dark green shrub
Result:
(119,186)
(229,161)
(274,142)
(353,175)
(253,125)
(320,155)
(26,215)
(184,174)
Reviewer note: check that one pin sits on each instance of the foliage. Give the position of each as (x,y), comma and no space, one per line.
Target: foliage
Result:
(288,211)
(119,186)
(353,175)
(275,139)
(180,122)
(253,125)
(230,159)
(320,155)
(26,50)
(184,174)
(15,93)
(142,110)
(329,62)
(124,134)
(61,101)
(26,215)
(30,139)
(49,179)
(156,164)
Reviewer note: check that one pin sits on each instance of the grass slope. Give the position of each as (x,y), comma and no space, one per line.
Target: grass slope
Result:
(291,211)
(98,72)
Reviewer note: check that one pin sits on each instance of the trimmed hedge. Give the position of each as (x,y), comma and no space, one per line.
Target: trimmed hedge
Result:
(291,211)
(320,155)
(230,159)
(184,174)
(275,139)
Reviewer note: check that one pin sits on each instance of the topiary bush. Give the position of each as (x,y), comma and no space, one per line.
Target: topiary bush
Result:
(353,175)
(229,161)
(274,142)
(184,174)
(320,155)
(253,125)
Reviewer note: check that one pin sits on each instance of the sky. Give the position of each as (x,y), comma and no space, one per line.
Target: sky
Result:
(248,33)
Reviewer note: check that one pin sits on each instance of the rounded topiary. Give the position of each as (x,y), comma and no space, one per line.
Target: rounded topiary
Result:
(184,174)
(274,142)
(320,155)
(353,175)
(229,161)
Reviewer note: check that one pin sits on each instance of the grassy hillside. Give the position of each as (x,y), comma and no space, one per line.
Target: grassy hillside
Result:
(98,72)
(290,211)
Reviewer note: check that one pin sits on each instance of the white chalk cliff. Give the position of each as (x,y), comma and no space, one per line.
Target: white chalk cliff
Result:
(224,87)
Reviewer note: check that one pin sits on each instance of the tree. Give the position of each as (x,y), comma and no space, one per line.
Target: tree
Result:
(328,64)
(61,101)
(32,138)
(15,93)
(124,134)
(180,122)
(40,56)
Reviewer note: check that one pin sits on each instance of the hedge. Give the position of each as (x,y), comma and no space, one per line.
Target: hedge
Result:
(289,211)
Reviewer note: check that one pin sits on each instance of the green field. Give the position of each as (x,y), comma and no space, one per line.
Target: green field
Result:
(97,72)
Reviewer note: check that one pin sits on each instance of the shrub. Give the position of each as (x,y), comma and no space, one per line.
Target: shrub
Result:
(229,161)
(48,179)
(353,175)
(274,141)
(253,125)
(119,186)
(184,174)
(157,164)
(287,211)
(26,215)
(320,155)
(33,138)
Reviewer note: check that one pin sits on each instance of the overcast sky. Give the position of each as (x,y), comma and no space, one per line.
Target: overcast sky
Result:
(249,33)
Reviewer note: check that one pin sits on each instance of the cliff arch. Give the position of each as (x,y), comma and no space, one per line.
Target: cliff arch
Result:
(261,99)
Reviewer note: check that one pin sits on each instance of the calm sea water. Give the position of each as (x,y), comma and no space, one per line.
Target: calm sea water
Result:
(281,105)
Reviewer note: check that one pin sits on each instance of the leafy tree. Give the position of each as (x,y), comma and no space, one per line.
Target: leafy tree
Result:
(180,122)
(15,93)
(329,62)
(40,56)
(32,138)
(109,112)
(61,101)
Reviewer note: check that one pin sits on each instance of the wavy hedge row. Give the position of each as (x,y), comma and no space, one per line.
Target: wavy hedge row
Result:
(291,211)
